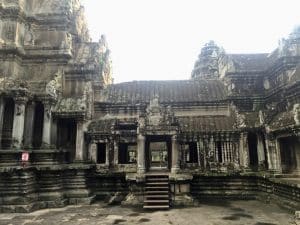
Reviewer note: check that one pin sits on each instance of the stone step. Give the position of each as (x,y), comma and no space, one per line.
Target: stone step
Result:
(157,179)
(157,192)
(157,196)
(157,183)
(156,207)
(163,187)
(156,201)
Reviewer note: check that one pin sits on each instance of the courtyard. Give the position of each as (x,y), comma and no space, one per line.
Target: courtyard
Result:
(211,213)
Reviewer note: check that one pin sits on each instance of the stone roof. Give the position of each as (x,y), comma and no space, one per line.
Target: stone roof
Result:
(251,62)
(167,91)
(207,124)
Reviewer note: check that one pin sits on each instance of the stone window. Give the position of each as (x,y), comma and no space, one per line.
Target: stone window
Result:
(127,153)
(191,153)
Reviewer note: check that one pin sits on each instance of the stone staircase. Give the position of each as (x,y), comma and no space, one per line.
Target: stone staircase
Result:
(157,191)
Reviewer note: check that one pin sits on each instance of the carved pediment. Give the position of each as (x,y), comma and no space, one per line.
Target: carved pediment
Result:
(159,116)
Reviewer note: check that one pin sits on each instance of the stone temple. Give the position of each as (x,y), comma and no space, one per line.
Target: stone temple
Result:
(68,135)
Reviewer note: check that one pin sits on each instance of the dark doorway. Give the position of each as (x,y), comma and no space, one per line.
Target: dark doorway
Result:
(66,137)
(38,125)
(101,153)
(289,148)
(8,120)
(252,145)
(158,152)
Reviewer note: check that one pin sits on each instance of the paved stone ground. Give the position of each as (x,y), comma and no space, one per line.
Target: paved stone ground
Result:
(232,212)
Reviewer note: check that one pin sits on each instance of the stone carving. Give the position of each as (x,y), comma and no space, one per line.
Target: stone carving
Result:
(19,110)
(105,61)
(154,112)
(53,87)
(261,117)
(29,35)
(296,112)
(67,42)
(9,32)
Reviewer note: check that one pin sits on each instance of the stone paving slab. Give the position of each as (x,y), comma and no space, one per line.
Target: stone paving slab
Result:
(211,213)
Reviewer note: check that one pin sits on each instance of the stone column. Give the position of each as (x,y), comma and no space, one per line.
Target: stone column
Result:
(175,155)
(29,124)
(107,145)
(79,141)
(93,152)
(202,152)
(260,153)
(141,153)
(47,124)
(116,152)
(273,154)
(2,105)
(54,132)
(244,151)
(18,125)
(199,153)
(297,154)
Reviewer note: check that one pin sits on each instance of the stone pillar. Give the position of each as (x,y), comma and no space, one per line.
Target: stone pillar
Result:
(244,151)
(175,155)
(18,125)
(93,152)
(47,124)
(107,145)
(29,124)
(199,148)
(273,154)
(2,105)
(79,141)
(141,153)
(116,152)
(54,132)
(260,152)
(297,155)
(202,152)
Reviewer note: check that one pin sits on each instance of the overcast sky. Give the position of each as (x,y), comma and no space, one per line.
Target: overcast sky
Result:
(161,39)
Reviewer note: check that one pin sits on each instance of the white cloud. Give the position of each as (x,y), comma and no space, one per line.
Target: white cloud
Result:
(160,39)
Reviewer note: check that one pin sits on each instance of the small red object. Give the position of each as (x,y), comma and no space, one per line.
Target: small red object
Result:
(25,156)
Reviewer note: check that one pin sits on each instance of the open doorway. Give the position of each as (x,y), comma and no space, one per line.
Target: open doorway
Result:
(158,153)
(66,137)
(253,156)
(289,152)
(8,120)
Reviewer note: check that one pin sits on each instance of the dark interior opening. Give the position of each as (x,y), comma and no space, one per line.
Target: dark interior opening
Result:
(219,151)
(38,125)
(289,148)
(101,153)
(252,145)
(265,149)
(8,120)
(127,153)
(192,154)
(66,137)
